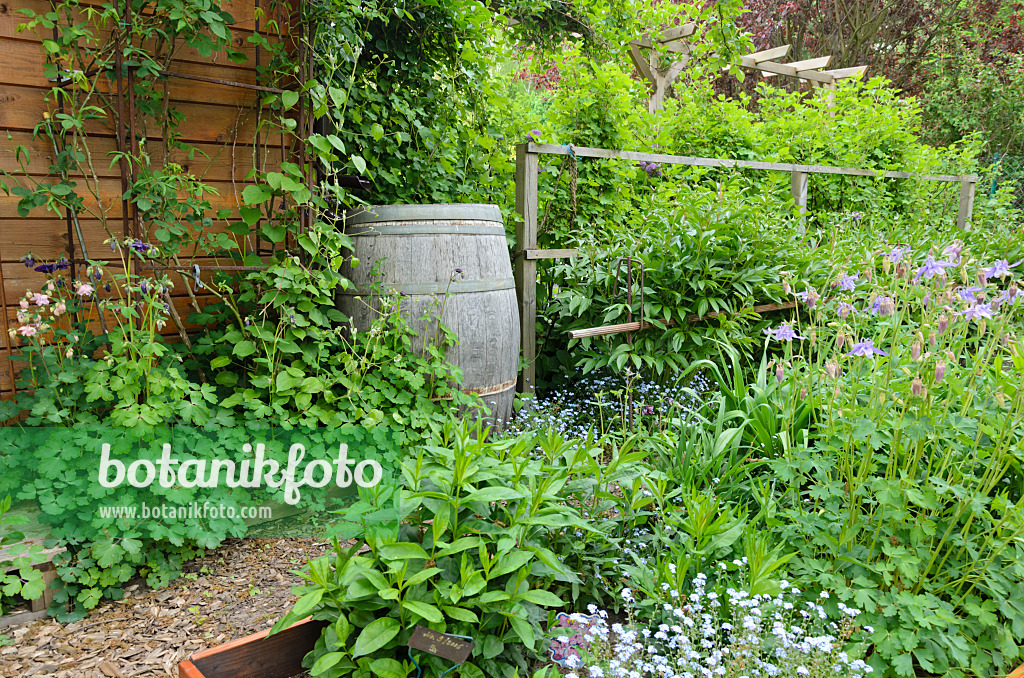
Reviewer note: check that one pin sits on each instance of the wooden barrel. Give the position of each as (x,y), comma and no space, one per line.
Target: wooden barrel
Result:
(454,259)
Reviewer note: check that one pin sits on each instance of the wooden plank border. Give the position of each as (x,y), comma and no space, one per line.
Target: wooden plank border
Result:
(527,171)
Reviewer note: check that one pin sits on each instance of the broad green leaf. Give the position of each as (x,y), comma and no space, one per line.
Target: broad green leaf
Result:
(325,662)
(376,635)
(403,550)
(541,597)
(425,610)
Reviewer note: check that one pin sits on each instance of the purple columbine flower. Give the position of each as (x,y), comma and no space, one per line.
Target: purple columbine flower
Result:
(653,169)
(932,268)
(139,246)
(28,260)
(967,293)
(953,250)
(534,135)
(784,332)
(845,308)
(883,306)
(647,409)
(1011,296)
(865,349)
(897,253)
(808,296)
(999,269)
(856,216)
(61,265)
(847,283)
(977,311)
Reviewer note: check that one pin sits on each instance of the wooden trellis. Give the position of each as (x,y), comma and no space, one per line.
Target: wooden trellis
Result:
(766,62)
(528,251)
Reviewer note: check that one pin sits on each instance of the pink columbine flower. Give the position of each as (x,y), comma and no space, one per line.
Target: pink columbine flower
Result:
(28,330)
(40,299)
(24,304)
(84,289)
(69,353)
(60,308)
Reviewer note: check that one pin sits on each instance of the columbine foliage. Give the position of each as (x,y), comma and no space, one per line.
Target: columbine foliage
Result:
(906,498)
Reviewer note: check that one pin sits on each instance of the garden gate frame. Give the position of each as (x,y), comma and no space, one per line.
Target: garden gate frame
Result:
(528,253)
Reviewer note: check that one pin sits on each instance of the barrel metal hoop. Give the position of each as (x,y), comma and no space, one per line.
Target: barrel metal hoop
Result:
(485,390)
(376,213)
(456,287)
(427,228)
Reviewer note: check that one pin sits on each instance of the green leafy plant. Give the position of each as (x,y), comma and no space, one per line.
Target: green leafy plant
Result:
(18,577)
(473,558)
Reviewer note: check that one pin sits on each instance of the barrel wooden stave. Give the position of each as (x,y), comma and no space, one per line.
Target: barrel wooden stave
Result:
(460,265)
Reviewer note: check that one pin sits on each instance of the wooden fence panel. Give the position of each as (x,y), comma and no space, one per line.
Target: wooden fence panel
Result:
(220,122)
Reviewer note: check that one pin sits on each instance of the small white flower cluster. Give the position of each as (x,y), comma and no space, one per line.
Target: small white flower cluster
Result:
(707,635)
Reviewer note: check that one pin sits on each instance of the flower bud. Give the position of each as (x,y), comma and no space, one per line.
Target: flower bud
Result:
(942,324)
(832,369)
(803,393)
(840,340)
(931,339)
(982,279)
(814,338)
(1001,399)
(981,327)
(902,271)
(785,287)
(915,351)
(886,307)
(886,265)
(917,387)
(940,372)
(779,372)
(1005,340)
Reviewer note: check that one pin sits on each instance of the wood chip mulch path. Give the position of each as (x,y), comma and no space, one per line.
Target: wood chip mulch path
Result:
(242,587)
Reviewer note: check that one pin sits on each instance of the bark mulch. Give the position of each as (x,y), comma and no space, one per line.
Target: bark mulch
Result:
(242,587)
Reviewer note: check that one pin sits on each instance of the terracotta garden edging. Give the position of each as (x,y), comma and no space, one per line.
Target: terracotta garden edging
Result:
(256,656)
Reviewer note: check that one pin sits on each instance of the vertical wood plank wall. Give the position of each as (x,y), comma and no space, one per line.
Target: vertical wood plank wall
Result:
(220,122)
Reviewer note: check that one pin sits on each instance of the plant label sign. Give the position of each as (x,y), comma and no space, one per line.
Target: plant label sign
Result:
(440,644)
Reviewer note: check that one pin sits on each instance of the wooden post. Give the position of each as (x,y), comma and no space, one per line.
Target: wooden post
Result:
(967,187)
(798,185)
(527,168)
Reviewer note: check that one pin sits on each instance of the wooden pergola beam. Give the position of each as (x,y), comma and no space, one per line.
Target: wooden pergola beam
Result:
(851,72)
(764,61)
(811,64)
(767,55)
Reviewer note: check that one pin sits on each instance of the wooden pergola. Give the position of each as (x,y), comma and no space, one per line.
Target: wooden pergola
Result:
(765,61)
